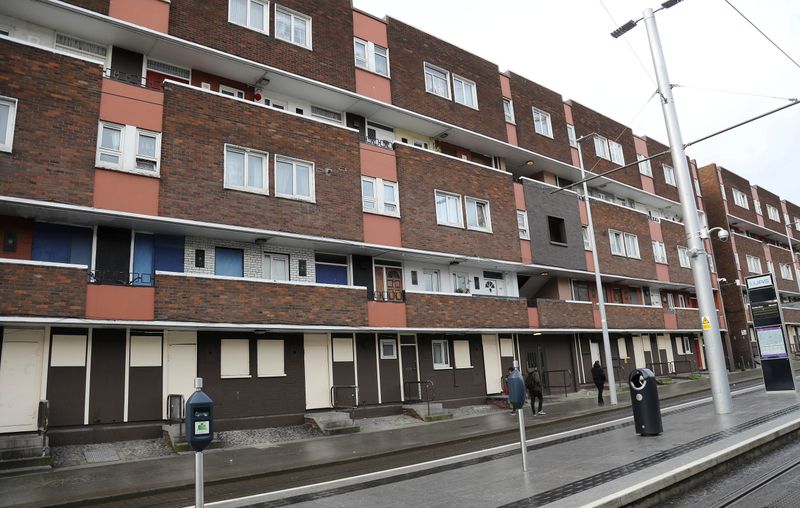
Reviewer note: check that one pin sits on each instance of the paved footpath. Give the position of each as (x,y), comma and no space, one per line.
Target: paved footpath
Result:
(81,484)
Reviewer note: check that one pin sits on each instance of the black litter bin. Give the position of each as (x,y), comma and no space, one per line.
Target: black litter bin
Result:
(644,400)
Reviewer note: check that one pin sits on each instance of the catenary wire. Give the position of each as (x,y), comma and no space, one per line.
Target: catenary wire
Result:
(762,33)
(733,92)
(635,54)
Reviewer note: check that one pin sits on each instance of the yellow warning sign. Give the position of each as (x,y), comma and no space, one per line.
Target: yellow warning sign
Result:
(706,323)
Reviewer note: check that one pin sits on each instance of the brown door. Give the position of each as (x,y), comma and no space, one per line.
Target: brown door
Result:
(380,284)
(394,285)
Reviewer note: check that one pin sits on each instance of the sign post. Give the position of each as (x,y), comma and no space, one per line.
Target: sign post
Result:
(765,305)
(199,433)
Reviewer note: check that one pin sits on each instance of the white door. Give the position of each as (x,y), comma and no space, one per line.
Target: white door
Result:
(316,355)
(595,348)
(20,379)
(181,369)
(640,361)
(491,363)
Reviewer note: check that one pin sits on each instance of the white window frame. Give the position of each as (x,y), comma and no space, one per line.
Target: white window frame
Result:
(156,159)
(644,165)
(508,110)
(617,241)
(571,136)
(757,206)
(294,14)
(426,68)
(522,225)
(311,198)
(445,363)
(740,198)
(687,346)
(269,258)
(240,371)
(6,145)
(683,257)
(587,239)
(270,362)
(379,199)
(616,153)
(99,57)
(697,188)
(436,278)
(247,24)
(773,213)
(601,147)
(464,81)
(128,151)
(461,354)
(369,53)
(324,118)
(543,116)
(633,247)
(659,252)
(669,175)
(754,262)
(786,271)
(488,214)
(246,151)
(231,92)
(447,196)
(393,343)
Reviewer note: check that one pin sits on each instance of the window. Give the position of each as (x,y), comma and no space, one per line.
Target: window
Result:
(541,123)
(276,267)
(587,239)
(670,300)
(786,271)
(461,354)
(126,148)
(332,268)
(461,282)
(697,188)
(441,354)
(326,114)
(437,81)
(580,291)
(687,345)
(270,358)
(388,349)
(558,230)
(372,57)
(229,262)
(379,196)
(342,349)
(573,140)
(683,257)
(146,351)
(245,169)
(601,147)
(740,198)
(249,13)
(632,245)
(797,223)
(291,26)
(448,209)
(617,156)
(232,92)
(80,47)
(770,268)
(508,110)
(682,301)
(757,206)
(294,178)
(234,358)
(773,213)
(669,175)
(430,278)
(644,166)
(660,252)
(8,115)
(478,216)
(169,69)
(623,244)
(465,92)
(522,225)
(753,264)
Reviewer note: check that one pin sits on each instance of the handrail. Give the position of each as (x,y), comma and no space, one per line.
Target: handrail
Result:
(670,367)
(120,278)
(564,385)
(429,390)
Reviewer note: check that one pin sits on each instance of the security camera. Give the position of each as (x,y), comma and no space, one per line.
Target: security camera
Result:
(723,235)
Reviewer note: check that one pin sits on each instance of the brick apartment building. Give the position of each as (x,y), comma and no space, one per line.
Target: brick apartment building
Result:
(291,199)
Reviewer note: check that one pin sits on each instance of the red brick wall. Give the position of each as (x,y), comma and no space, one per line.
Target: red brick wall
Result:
(674,236)
(607,216)
(331,61)
(588,121)
(196,127)
(100,6)
(750,247)
(688,319)
(30,290)
(634,318)
(561,314)
(444,311)
(421,172)
(659,182)
(241,301)
(791,315)
(732,180)
(782,256)
(526,94)
(411,48)
(56,126)
(768,198)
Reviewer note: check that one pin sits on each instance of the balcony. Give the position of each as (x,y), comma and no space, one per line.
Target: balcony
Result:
(688,319)
(187,297)
(436,310)
(565,314)
(42,289)
(120,295)
(634,317)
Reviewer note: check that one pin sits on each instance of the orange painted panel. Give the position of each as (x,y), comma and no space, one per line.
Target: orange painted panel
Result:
(120,302)
(23,228)
(511,133)
(576,161)
(641,146)
(373,85)
(647,184)
(662,272)
(549,178)
(125,192)
(533,317)
(382,230)
(655,231)
(670,321)
(525,249)
(378,162)
(505,86)
(519,196)
(589,261)
(583,213)
(568,113)
(597,321)
(386,314)
(148,13)
(370,29)
(131,105)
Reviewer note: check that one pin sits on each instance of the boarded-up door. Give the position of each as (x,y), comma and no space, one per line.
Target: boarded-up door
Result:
(491,362)
(107,384)
(317,358)
(20,379)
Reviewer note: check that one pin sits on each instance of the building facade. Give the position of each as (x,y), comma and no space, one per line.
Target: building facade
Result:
(308,207)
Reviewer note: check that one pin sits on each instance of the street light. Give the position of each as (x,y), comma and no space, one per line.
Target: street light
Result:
(601,300)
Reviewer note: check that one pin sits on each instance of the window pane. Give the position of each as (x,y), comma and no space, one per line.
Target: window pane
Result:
(360,50)
(238,11)
(303,180)
(147,145)
(437,353)
(330,274)
(481,209)
(109,158)
(441,208)
(458,91)
(472,220)
(381,61)
(255,171)
(300,28)
(283,26)
(5,112)
(388,194)
(257,15)
(283,177)
(111,138)
(280,269)
(368,193)
(229,262)
(452,210)
(468,95)
(234,166)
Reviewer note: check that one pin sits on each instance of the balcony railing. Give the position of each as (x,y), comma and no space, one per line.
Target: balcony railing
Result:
(118,278)
(134,79)
(380,143)
(395,296)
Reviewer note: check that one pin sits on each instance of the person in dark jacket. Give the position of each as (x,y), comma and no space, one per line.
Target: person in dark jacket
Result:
(599,378)
(504,382)
(534,385)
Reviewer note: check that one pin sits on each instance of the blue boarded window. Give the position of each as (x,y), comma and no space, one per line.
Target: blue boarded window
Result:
(62,244)
(229,262)
(143,255)
(331,269)
(168,253)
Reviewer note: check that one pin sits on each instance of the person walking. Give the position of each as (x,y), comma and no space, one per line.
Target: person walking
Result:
(599,378)
(534,385)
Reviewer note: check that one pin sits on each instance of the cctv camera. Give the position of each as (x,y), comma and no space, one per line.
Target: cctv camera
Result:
(723,235)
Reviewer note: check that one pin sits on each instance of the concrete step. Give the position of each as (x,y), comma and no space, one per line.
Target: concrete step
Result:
(18,466)
(332,422)
(427,413)
(26,440)
(24,452)
(28,452)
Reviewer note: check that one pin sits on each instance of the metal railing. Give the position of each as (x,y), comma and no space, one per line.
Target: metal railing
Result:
(670,368)
(564,383)
(430,391)
(119,278)
(398,296)
(134,79)
(380,143)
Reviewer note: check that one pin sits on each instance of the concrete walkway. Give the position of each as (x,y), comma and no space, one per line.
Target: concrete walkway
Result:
(76,485)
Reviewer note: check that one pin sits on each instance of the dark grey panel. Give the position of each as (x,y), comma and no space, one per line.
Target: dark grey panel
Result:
(144,399)
(367,369)
(541,203)
(107,383)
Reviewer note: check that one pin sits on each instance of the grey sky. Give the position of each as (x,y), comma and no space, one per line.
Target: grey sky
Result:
(565,45)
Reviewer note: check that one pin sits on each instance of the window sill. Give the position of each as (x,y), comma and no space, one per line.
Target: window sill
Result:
(150,174)
(467,367)
(6,149)
(445,97)
(457,226)
(366,69)
(236,377)
(375,212)
(558,244)
(468,106)
(545,135)
(511,122)
(311,200)
(524,237)
(270,375)
(262,32)
(388,358)
(262,192)
(479,230)
(442,367)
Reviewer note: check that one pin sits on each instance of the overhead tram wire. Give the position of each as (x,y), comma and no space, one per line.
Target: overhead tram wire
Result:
(733,92)
(762,33)
(635,54)
(794,102)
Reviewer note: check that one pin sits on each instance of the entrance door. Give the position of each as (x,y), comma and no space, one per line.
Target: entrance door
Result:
(698,354)
(388,283)
(316,349)
(491,361)
(20,379)
(181,369)
(595,350)
(410,371)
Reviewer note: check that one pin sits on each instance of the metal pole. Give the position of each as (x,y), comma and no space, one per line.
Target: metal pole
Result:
(601,299)
(720,391)
(198,480)
(522,440)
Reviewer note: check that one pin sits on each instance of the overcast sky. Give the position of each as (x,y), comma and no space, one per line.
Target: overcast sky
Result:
(565,45)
